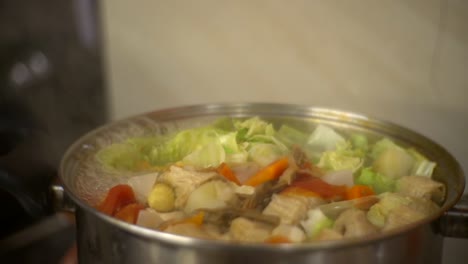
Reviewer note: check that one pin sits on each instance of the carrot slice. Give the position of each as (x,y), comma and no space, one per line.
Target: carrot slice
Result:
(293,190)
(226,171)
(129,213)
(196,219)
(277,240)
(117,197)
(270,172)
(317,185)
(358,191)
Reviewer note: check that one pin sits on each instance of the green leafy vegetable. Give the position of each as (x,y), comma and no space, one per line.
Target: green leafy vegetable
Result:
(391,160)
(316,221)
(291,136)
(378,182)
(253,126)
(323,139)
(120,156)
(343,158)
(264,153)
(380,146)
(360,143)
(209,155)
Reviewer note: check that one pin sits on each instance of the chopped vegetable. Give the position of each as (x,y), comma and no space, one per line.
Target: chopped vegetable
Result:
(317,185)
(243,180)
(360,143)
(214,194)
(209,155)
(342,158)
(271,172)
(120,156)
(117,197)
(294,190)
(204,141)
(253,126)
(129,213)
(196,219)
(378,182)
(358,191)
(316,221)
(162,198)
(344,177)
(149,218)
(291,136)
(380,146)
(142,185)
(323,139)
(264,153)
(393,162)
(227,172)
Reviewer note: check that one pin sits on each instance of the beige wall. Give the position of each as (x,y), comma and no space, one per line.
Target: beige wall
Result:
(401,60)
(349,54)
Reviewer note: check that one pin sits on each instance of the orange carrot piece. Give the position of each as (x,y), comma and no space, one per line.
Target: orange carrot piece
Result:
(358,191)
(129,213)
(226,171)
(320,187)
(277,240)
(270,172)
(293,190)
(117,197)
(196,219)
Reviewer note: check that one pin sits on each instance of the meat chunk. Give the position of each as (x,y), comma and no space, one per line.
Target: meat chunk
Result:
(398,205)
(421,187)
(290,209)
(354,223)
(184,182)
(245,230)
(401,216)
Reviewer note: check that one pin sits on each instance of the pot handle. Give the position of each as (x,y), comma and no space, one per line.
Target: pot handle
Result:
(59,199)
(62,219)
(454,223)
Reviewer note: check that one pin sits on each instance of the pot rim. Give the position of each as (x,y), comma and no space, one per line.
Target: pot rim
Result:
(296,110)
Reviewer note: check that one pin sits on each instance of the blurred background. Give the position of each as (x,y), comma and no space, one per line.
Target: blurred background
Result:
(69,66)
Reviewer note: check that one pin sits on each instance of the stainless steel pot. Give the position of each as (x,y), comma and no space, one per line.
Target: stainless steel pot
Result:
(103,239)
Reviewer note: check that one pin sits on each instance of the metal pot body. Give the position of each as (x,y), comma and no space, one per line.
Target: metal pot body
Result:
(102,242)
(103,239)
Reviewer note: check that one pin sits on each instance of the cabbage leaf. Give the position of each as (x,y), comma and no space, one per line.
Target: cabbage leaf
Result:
(378,182)
(343,158)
